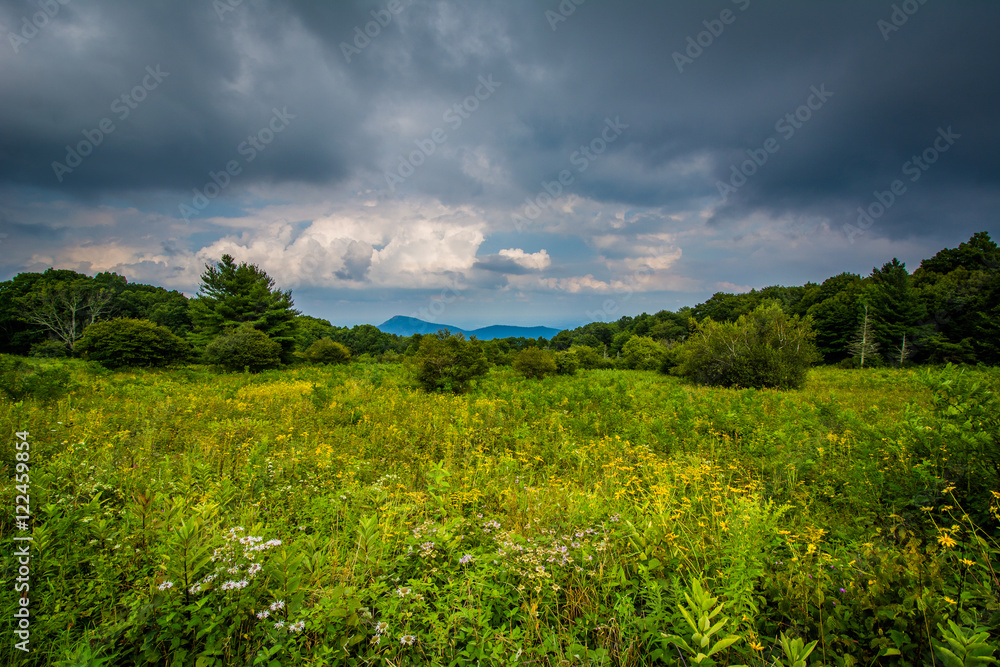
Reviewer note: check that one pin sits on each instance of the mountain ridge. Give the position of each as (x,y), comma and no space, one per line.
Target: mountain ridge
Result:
(402,325)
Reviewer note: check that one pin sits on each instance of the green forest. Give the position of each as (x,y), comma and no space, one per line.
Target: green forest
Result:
(946,311)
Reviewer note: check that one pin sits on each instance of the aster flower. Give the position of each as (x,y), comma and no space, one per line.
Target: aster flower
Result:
(166,585)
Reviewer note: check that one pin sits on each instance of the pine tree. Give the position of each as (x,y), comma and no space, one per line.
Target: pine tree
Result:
(897,308)
(232,295)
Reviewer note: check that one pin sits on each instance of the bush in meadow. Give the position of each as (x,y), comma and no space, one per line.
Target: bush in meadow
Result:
(243,348)
(590,357)
(449,363)
(127,342)
(567,363)
(326,351)
(643,353)
(535,363)
(765,348)
(20,380)
(49,349)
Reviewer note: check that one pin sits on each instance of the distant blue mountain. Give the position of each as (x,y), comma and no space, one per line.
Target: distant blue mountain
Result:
(407,326)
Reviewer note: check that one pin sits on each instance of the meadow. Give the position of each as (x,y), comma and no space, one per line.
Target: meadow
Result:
(338,515)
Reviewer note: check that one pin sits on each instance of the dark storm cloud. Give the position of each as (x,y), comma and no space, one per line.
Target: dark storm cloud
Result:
(228,70)
(695,89)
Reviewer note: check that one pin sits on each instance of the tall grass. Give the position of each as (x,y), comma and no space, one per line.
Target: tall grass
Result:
(339,516)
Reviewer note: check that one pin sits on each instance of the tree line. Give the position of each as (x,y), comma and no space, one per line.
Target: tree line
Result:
(948,310)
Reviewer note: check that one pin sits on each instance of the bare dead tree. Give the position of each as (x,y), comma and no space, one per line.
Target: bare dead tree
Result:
(66,310)
(864,344)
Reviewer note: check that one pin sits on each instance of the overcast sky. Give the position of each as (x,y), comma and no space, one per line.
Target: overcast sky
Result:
(477,163)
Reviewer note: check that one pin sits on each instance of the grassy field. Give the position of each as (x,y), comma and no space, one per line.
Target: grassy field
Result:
(336,515)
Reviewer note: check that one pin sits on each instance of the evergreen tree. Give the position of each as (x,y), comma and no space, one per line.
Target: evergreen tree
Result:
(835,315)
(960,288)
(232,295)
(895,304)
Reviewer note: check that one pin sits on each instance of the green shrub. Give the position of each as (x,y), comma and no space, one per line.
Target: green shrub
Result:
(765,348)
(126,342)
(590,357)
(20,380)
(449,363)
(326,351)
(643,354)
(567,362)
(49,349)
(535,363)
(243,348)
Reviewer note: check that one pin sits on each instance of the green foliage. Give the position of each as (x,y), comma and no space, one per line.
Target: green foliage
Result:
(896,306)
(591,358)
(766,348)
(243,348)
(326,351)
(124,342)
(232,295)
(310,329)
(564,519)
(146,302)
(63,306)
(643,353)
(835,315)
(535,363)
(448,363)
(49,349)
(700,617)
(567,363)
(20,380)
(964,648)
(796,652)
(964,440)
